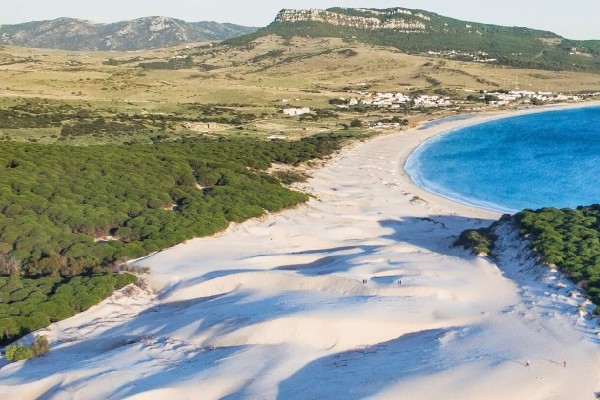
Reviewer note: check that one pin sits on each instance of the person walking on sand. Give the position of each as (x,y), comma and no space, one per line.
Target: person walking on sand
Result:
(527,363)
(565,363)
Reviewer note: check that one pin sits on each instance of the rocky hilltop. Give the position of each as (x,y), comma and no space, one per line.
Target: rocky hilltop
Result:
(398,19)
(141,33)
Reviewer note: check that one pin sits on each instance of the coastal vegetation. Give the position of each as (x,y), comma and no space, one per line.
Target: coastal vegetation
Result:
(20,352)
(567,239)
(66,210)
(75,122)
(479,241)
(564,239)
(70,215)
(27,305)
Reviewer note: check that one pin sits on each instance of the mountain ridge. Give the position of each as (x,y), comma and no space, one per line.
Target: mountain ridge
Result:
(137,34)
(416,31)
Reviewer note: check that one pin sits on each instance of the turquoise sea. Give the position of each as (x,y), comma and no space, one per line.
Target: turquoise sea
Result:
(546,159)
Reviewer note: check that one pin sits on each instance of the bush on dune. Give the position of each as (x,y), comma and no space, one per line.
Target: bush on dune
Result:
(479,241)
(20,352)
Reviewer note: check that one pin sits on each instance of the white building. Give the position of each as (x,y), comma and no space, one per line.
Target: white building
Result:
(275,138)
(292,112)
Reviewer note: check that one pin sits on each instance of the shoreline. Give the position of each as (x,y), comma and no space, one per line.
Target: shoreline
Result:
(423,134)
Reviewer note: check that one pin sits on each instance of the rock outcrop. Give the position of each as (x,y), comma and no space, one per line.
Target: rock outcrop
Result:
(397,19)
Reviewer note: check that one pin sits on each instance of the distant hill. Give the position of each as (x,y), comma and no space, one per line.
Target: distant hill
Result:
(142,33)
(419,31)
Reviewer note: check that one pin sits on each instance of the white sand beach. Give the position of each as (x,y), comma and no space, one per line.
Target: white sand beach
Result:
(276,308)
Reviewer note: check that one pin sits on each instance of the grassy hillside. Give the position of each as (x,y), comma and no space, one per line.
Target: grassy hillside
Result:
(426,31)
(255,77)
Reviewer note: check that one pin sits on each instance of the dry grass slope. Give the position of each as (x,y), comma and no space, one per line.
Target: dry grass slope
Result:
(266,71)
(258,80)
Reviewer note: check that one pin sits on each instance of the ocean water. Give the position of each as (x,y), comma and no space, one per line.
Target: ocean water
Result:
(546,159)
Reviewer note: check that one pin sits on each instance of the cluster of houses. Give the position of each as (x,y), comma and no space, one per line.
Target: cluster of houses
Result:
(479,56)
(397,101)
(523,96)
(400,102)
(296,111)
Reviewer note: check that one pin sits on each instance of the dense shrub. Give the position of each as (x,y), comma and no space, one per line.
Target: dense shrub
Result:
(356,123)
(568,240)
(18,352)
(58,202)
(480,241)
(46,300)
(70,214)
(289,177)
(40,345)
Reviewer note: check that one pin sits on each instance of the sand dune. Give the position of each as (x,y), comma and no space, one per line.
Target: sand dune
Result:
(328,332)
(277,307)
(286,282)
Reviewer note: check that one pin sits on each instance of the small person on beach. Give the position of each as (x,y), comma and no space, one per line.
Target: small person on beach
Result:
(565,363)
(527,363)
